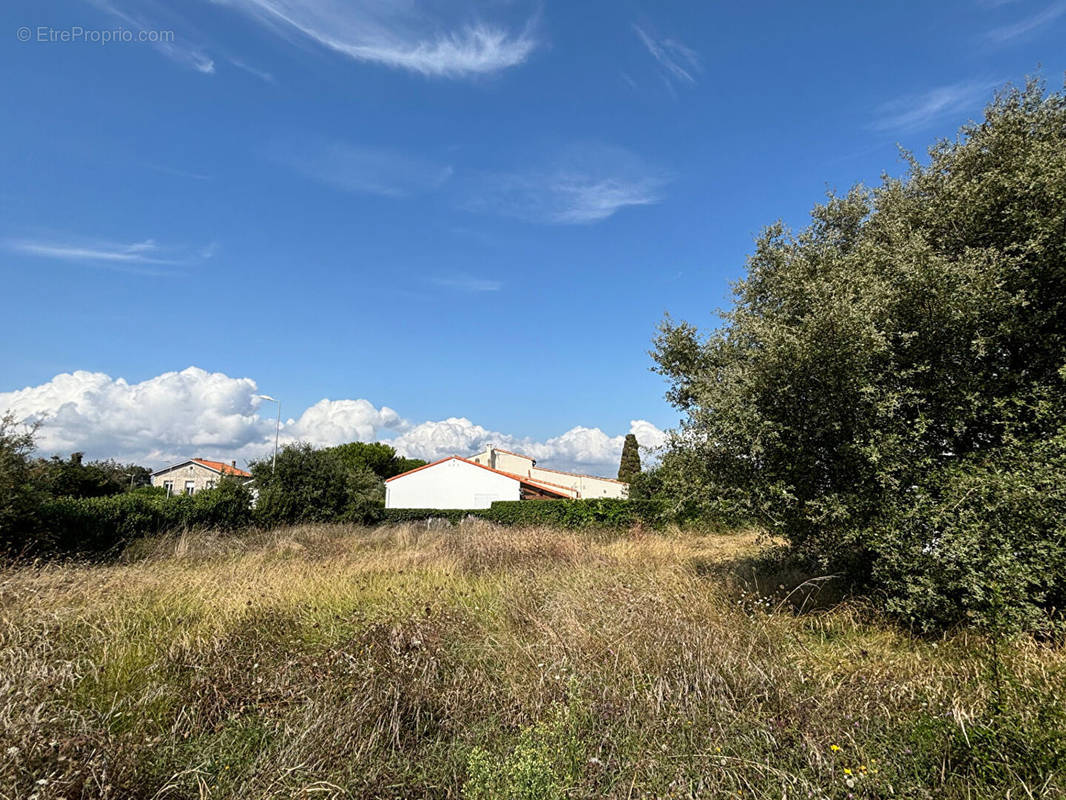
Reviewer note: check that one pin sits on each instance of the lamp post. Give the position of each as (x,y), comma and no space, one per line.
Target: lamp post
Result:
(277,430)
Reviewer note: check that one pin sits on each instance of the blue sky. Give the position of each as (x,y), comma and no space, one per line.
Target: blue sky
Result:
(454,211)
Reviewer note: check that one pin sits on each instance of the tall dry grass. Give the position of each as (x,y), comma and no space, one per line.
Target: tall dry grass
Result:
(425,661)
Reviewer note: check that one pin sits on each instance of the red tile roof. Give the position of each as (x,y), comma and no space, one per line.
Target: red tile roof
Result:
(223,467)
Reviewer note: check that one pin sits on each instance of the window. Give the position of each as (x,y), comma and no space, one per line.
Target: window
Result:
(169,486)
(190,487)
(210,485)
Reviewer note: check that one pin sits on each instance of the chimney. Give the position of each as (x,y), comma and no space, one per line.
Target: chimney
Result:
(233,464)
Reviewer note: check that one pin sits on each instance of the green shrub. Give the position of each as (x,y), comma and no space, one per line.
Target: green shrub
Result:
(312,485)
(105,524)
(982,542)
(453,515)
(596,513)
(544,761)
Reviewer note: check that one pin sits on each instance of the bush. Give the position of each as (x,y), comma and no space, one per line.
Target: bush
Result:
(311,485)
(105,524)
(598,513)
(983,543)
(453,515)
(20,495)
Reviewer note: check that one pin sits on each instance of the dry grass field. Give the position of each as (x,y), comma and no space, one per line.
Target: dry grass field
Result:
(482,662)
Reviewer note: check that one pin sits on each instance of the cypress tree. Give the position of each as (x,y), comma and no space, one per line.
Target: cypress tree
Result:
(629,468)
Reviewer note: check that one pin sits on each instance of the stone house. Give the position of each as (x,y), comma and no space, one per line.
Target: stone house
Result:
(196,474)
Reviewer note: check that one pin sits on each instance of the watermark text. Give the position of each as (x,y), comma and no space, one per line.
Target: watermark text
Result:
(76,34)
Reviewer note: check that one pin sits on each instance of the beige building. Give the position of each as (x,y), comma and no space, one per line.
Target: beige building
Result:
(583,487)
(196,474)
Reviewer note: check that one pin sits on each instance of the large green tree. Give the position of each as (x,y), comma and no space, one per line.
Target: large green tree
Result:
(74,477)
(314,485)
(910,331)
(378,457)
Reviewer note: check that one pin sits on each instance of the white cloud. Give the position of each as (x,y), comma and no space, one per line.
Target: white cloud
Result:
(143,258)
(187,413)
(585,184)
(159,19)
(363,170)
(330,422)
(679,63)
(917,111)
(579,449)
(1016,31)
(212,415)
(262,74)
(401,35)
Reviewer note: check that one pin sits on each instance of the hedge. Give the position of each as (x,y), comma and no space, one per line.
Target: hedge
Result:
(101,524)
(106,524)
(601,513)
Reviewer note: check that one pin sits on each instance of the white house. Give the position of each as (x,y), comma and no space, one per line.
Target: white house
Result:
(585,486)
(456,482)
(477,482)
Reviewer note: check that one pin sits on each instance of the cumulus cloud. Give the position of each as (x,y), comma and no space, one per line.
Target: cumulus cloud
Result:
(153,421)
(195,413)
(330,422)
(579,449)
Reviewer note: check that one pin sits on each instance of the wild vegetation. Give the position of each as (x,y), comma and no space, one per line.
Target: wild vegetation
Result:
(888,391)
(485,662)
(887,398)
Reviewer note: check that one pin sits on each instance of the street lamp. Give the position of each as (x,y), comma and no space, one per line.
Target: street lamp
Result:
(277,430)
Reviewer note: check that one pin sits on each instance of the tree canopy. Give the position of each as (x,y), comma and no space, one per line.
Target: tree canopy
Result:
(312,484)
(911,335)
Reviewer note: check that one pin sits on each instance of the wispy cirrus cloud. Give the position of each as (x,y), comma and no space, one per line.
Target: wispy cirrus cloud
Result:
(678,62)
(150,16)
(585,184)
(1021,29)
(405,35)
(141,258)
(917,111)
(363,170)
(462,282)
(262,74)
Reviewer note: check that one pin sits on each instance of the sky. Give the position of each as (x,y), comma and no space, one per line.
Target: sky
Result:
(442,225)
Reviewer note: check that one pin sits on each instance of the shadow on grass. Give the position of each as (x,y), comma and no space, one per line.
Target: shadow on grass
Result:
(775,579)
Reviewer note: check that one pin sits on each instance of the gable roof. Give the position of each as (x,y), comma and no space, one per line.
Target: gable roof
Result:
(551,488)
(221,467)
